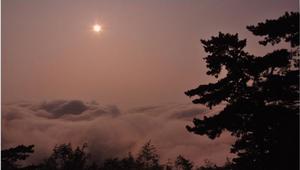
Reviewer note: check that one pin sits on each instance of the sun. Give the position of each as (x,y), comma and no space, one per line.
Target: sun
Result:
(97,28)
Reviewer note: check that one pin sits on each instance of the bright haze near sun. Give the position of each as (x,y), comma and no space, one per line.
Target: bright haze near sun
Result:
(97,28)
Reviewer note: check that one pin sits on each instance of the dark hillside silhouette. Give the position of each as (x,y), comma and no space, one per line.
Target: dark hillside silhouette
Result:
(261,93)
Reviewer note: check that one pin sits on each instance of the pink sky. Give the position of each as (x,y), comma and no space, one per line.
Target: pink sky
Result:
(148,53)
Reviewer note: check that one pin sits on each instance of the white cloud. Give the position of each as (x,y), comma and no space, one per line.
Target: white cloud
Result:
(108,131)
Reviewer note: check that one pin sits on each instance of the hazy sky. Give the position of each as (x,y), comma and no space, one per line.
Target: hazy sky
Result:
(148,53)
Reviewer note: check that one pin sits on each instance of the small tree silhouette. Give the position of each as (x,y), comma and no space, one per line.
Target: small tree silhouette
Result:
(182,163)
(147,158)
(65,158)
(129,163)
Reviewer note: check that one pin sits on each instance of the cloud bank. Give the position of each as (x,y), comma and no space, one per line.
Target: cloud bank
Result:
(108,131)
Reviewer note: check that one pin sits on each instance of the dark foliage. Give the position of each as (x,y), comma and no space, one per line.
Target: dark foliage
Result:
(148,158)
(285,27)
(64,157)
(182,163)
(10,157)
(127,163)
(261,93)
(211,166)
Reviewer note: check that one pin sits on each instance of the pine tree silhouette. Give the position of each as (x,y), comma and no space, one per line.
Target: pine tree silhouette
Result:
(261,94)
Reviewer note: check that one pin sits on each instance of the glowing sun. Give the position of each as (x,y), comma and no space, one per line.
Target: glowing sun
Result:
(97,28)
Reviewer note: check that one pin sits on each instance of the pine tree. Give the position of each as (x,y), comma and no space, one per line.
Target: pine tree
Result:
(182,163)
(64,157)
(148,158)
(261,94)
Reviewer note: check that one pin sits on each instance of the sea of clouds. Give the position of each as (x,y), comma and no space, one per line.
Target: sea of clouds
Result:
(109,131)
